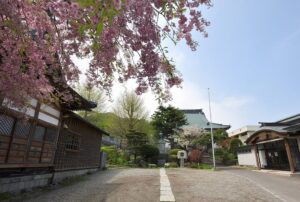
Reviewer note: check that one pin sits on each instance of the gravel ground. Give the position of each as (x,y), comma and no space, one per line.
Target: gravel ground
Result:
(117,185)
(143,185)
(199,185)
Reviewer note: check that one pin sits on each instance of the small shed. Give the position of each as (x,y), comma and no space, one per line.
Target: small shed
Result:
(78,146)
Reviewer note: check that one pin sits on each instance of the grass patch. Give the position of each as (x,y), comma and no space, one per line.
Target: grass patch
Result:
(5,196)
(72,180)
(171,165)
(202,166)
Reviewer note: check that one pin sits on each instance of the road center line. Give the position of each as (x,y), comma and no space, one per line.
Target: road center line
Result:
(166,193)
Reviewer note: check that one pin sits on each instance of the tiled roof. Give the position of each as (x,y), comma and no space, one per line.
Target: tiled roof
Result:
(197,118)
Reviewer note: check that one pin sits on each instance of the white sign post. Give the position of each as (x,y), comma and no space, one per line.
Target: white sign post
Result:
(181,155)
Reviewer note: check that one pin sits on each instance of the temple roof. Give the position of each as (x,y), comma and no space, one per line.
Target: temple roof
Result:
(78,102)
(197,118)
(286,127)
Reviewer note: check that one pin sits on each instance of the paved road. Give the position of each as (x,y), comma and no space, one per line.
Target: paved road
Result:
(217,186)
(117,185)
(187,185)
(286,188)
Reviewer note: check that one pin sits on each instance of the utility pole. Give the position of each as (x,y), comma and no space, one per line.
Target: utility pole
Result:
(211,131)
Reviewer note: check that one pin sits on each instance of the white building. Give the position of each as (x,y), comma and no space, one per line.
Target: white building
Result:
(244,132)
(246,154)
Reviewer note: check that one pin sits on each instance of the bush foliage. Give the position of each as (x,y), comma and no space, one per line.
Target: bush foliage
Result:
(225,156)
(149,153)
(114,156)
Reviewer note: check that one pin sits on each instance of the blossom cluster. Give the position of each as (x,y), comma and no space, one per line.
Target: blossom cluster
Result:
(123,38)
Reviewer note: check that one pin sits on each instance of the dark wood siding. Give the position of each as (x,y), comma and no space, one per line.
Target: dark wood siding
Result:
(18,145)
(78,146)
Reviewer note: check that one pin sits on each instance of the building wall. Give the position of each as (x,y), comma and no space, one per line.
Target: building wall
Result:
(247,158)
(60,175)
(78,146)
(29,142)
(17,184)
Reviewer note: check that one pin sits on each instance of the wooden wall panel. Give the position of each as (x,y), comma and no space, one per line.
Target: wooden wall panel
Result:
(18,149)
(4,145)
(88,154)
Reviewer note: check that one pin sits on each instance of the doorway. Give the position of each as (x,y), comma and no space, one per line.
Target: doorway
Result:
(276,156)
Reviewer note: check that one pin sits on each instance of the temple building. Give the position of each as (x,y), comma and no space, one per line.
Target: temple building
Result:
(196,118)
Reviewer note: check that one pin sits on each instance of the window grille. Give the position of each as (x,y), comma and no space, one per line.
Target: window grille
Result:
(22,129)
(51,134)
(72,142)
(6,125)
(39,133)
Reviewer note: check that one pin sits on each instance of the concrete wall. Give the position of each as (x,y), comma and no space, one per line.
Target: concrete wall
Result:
(60,175)
(17,184)
(247,158)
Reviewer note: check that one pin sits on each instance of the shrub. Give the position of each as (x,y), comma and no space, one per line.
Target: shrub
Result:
(148,152)
(174,151)
(235,143)
(114,156)
(173,155)
(225,156)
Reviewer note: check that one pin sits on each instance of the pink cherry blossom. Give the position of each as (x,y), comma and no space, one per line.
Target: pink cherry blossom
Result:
(123,38)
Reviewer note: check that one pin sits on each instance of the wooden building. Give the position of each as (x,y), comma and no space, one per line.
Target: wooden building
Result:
(276,145)
(51,139)
(78,146)
(28,143)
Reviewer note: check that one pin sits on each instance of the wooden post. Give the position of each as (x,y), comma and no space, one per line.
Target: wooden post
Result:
(12,134)
(288,151)
(32,130)
(257,157)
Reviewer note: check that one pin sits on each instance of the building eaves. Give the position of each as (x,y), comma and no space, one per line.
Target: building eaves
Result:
(74,115)
(192,111)
(288,119)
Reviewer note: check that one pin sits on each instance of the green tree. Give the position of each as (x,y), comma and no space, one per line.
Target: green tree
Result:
(149,152)
(104,121)
(219,136)
(135,141)
(168,121)
(235,143)
(130,113)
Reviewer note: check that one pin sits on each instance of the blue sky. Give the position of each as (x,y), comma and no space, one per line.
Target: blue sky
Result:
(252,55)
(250,61)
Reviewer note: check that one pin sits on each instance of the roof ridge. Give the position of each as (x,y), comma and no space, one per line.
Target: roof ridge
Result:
(287,118)
(192,110)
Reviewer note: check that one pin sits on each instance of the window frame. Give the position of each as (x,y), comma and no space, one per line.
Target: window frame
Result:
(73,134)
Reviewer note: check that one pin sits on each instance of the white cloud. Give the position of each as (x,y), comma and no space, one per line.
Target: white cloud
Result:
(232,109)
